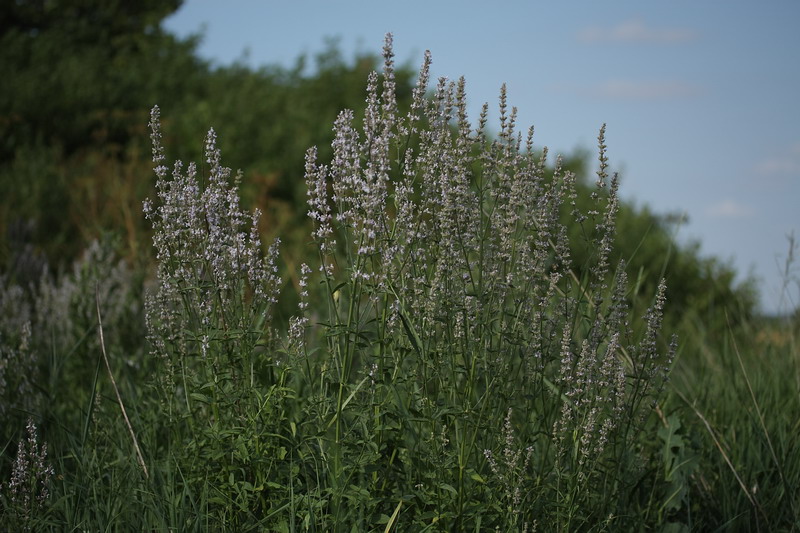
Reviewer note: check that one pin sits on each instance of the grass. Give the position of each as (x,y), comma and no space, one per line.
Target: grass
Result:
(448,366)
(741,397)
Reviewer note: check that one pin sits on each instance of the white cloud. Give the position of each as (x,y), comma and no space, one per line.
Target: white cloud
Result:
(729,208)
(621,89)
(636,31)
(785,163)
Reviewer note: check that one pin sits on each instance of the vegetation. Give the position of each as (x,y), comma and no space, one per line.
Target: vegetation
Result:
(456,333)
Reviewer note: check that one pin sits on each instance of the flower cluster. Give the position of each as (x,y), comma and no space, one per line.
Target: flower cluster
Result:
(298,324)
(214,278)
(29,487)
(18,369)
(510,468)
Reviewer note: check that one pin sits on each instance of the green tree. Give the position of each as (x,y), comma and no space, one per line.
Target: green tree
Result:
(82,70)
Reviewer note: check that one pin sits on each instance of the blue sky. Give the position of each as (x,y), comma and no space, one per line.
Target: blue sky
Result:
(700,97)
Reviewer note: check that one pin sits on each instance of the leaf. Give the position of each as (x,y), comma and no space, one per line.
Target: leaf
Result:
(673,443)
(416,342)
(202,398)
(335,415)
(477,477)
(448,488)
(393,518)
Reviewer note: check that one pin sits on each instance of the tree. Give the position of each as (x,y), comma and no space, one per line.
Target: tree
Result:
(81,69)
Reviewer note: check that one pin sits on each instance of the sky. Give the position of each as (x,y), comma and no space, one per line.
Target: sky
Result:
(700,98)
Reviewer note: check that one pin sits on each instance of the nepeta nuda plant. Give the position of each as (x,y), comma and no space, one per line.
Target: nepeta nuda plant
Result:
(209,327)
(215,287)
(65,305)
(18,372)
(24,496)
(46,333)
(20,364)
(448,312)
(446,262)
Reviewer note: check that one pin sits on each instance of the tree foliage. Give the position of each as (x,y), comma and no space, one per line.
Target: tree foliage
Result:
(83,70)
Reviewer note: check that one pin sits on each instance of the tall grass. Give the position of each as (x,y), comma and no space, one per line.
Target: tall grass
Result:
(740,394)
(449,366)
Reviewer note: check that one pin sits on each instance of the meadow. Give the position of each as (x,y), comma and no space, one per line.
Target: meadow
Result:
(469,335)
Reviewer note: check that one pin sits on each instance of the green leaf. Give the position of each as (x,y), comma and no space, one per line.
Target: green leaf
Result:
(393,518)
(477,477)
(448,488)
(202,398)
(416,342)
